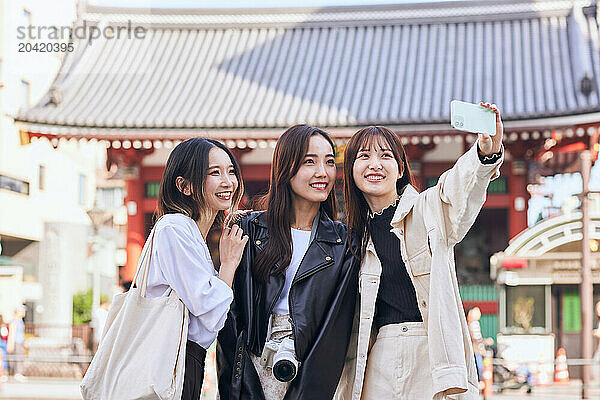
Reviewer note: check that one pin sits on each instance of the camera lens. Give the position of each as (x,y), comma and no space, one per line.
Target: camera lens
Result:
(284,371)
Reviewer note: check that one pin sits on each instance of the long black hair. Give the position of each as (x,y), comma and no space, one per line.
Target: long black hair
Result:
(290,150)
(189,159)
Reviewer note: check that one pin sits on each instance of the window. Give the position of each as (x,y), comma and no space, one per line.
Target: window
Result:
(109,198)
(571,311)
(14,185)
(24,94)
(526,308)
(498,186)
(41,177)
(82,189)
(151,190)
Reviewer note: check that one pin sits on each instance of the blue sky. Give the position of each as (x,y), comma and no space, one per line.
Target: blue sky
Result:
(561,186)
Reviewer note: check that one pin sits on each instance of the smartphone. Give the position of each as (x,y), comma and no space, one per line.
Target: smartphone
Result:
(472,118)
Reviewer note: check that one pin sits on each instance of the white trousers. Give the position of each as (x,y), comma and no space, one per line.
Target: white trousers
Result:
(398,364)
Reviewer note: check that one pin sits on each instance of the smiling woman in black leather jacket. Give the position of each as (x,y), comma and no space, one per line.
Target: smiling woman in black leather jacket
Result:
(297,280)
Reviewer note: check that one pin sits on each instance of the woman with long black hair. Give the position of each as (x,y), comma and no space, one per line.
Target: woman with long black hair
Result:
(200,183)
(413,341)
(295,290)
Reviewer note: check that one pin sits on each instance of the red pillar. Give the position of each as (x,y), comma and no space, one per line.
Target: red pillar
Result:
(135,226)
(130,160)
(517,187)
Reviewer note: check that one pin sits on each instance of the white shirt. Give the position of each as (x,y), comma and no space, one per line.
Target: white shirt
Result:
(180,260)
(300,243)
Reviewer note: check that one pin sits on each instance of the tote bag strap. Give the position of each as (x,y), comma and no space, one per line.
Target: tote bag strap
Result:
(144,266)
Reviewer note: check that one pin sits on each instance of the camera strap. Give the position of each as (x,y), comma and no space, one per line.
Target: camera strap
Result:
(269,327)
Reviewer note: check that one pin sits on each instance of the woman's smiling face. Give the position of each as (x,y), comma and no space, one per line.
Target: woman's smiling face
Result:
(315,178)
(375,170)
(221,182)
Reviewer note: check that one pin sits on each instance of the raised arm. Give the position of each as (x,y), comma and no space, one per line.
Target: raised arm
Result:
(462,189)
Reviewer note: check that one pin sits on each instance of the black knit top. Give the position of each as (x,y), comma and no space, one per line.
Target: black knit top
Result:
(396,299)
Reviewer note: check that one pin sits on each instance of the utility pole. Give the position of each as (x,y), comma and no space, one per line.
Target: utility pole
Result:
(586,289)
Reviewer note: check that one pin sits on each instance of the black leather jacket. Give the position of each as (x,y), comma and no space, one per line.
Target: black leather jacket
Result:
(322,303)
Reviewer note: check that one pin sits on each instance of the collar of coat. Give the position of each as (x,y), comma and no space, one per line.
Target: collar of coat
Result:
(326,230)
(407,201)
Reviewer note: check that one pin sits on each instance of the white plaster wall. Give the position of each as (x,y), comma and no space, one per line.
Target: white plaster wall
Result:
(52,216)
(24,215)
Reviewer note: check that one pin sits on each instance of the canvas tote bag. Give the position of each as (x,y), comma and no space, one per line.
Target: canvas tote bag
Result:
(142,351)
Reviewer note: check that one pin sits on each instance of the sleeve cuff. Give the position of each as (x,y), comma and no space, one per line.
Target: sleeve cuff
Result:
(226,290)
(486,171)
(490,158)
(451,377)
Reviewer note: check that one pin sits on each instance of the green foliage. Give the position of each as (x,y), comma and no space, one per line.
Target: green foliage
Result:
(82,307)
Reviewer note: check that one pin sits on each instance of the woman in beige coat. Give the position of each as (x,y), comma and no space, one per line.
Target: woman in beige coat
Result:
(411,339)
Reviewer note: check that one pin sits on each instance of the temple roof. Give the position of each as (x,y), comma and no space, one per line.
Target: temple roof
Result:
(199,70)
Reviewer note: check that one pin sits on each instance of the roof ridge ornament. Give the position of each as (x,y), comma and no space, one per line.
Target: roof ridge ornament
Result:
(586,85)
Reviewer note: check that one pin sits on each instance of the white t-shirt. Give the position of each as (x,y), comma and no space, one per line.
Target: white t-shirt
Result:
(180,260)
(300,243)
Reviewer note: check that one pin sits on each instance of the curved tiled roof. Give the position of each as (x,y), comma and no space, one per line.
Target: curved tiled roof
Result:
(333,67)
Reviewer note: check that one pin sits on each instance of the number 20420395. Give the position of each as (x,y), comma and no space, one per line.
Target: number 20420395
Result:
(45,47)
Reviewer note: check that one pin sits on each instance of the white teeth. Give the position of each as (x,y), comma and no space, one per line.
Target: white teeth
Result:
(224,195)
(375,178)
(318,185)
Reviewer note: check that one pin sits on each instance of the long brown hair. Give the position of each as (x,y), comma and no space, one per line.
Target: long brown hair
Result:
(189,160)
(356,205)
(290,150)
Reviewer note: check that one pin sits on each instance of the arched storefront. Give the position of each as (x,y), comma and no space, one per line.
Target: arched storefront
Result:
(538,277)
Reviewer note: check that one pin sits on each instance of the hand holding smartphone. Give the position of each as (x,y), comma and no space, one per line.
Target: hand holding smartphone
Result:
(472,118)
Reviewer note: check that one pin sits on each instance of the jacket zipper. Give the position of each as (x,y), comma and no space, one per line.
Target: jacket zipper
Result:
(322,267)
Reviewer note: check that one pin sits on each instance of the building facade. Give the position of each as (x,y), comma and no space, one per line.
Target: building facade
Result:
(538,276)
(45,194)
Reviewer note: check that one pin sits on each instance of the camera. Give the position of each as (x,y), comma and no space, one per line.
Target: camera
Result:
(280,356)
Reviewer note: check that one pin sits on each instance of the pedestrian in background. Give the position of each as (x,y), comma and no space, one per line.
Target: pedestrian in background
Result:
(473,316)
(16,343)
(3,352)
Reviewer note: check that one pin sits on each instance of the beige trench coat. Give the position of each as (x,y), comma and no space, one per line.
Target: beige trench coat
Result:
(428,225)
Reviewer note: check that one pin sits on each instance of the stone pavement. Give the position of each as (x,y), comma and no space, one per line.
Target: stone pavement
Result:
(68,389)
(571,391)
(41,388)
(58,389)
